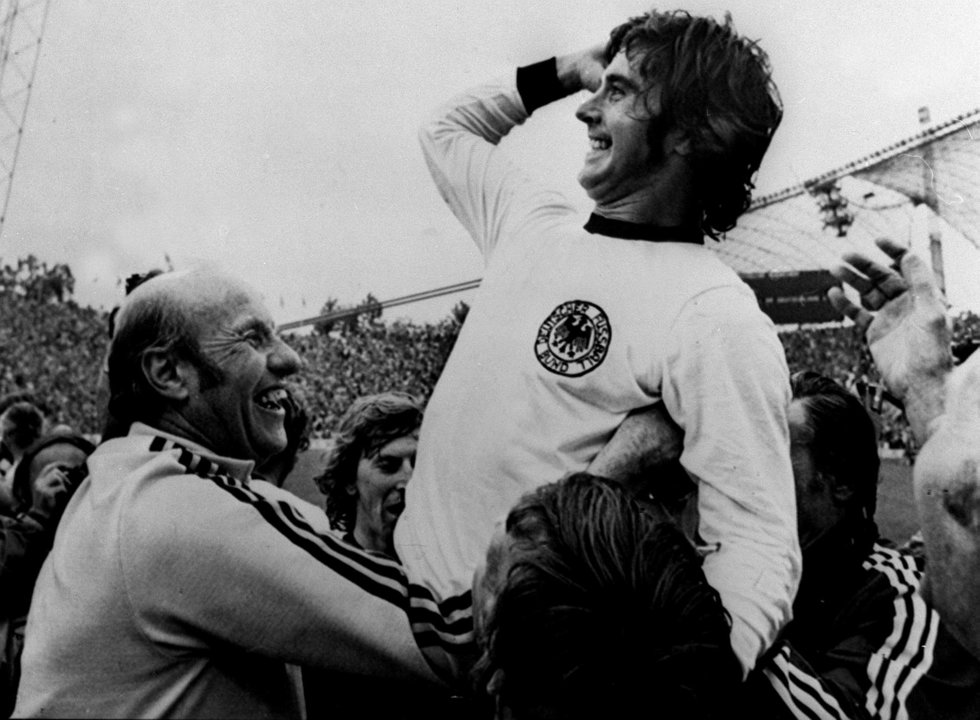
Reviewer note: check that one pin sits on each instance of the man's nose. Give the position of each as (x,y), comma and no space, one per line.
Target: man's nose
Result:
(588,112)
(283,360)
(405,471)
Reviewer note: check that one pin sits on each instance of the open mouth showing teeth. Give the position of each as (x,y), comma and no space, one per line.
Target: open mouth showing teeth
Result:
(599,143)
(271,399)
(396,505)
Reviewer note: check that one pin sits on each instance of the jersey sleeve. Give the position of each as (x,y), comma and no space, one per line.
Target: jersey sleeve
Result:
(725,382)
(222,563)
(878,649)
(492,196)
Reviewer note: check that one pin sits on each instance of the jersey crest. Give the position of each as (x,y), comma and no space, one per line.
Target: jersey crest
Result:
(574,339)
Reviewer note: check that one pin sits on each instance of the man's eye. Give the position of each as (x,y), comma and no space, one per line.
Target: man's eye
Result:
(616,93)
(388,466)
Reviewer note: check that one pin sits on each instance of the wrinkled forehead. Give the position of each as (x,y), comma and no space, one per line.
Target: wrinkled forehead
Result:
(210,295)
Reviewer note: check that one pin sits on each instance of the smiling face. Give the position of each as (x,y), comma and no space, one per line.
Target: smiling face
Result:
(380,489)
(239,414)
(625,155)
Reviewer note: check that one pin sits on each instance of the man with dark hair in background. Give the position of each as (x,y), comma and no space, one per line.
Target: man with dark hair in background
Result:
(579,332)
(369,466)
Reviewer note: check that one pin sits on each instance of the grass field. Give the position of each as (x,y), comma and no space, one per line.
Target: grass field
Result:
(895,516)
(896,506)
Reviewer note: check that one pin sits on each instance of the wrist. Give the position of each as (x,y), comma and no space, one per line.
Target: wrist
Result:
(568,73)
(924,405)
(538,84)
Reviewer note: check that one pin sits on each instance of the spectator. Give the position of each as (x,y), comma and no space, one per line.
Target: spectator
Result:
(586,607)
(42,483)
(369,467)
(854,591)
(20,426)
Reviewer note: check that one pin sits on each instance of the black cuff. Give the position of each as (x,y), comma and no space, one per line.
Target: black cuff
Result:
(538,84)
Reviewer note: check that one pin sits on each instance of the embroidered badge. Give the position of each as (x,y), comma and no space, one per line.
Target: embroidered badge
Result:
(574,339)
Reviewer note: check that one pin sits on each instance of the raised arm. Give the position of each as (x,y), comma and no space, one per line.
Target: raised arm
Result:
(488,193)
(909,337)
(904,319)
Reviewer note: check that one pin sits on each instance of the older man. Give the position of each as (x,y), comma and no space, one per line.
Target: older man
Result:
(178,587)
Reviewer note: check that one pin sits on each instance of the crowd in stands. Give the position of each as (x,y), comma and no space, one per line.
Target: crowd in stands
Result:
(59,346)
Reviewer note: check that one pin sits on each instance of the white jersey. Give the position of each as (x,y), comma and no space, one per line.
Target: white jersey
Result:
(570,332)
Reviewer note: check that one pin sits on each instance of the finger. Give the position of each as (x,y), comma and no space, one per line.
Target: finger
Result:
(871,273)
(892,249)
(887,280)
(847,274)
(874,299)
(860,317)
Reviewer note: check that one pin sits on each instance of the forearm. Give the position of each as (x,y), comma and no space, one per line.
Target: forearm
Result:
(647,437)
(924,405)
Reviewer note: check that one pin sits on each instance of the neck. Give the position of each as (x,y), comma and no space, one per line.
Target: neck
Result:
(178,426)
(370,539)
(668,199)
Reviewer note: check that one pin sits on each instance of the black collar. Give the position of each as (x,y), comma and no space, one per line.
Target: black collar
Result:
(626,230)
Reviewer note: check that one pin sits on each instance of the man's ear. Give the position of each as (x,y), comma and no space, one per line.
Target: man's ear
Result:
(678,141)
(167,375)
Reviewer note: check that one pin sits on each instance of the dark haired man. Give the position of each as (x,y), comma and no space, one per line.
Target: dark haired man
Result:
(369,467)
(587,606)
(577,330)
(179,587)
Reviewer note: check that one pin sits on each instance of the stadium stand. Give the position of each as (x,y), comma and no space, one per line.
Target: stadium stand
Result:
(54,350)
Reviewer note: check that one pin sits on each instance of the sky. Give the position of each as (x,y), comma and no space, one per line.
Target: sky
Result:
(277,140)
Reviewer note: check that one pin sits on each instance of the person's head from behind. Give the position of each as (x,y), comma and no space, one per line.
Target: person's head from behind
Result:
(681,88)
(276,468)
(197,354)
(20,426)
(46,468)
(369,466)
(834,450)
(588,607)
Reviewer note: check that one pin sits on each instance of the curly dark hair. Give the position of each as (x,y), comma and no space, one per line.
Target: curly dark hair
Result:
(370,423)
(603,610)
(718,88)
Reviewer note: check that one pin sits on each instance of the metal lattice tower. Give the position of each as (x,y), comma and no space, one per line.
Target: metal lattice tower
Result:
(20,42)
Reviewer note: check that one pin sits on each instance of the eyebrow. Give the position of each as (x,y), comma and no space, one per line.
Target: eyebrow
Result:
(254,323)
(621,80)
